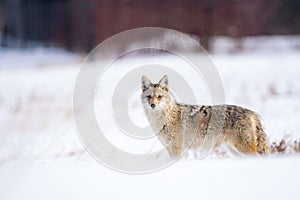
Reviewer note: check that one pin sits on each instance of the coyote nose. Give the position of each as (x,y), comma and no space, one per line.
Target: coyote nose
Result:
(152,105)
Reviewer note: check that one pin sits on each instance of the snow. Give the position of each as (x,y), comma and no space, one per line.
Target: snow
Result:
(36,57)
(209,179)
(41,156)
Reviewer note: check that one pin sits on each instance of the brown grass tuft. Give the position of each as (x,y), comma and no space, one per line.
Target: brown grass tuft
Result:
(286,145)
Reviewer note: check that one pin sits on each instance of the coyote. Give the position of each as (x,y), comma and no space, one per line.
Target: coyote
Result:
(198,127)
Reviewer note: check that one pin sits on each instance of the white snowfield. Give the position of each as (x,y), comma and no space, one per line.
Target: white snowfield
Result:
(41,156)
(201,179)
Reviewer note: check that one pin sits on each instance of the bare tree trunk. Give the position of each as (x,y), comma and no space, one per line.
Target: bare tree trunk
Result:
(205,41)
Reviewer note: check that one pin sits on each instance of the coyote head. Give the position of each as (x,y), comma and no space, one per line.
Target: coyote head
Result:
(155,96)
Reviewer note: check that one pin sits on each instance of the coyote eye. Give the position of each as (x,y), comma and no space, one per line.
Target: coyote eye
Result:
(148,96)
(159,97)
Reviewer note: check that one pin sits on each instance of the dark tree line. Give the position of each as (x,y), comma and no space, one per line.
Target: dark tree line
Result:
(82,24)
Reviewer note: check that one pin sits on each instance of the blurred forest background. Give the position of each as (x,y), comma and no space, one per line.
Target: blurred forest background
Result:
(79,25)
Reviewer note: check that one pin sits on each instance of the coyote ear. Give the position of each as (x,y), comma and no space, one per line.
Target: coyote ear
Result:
(164,82)
(146,83)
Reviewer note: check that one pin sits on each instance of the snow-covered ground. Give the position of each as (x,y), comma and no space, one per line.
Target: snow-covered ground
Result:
(41,156)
